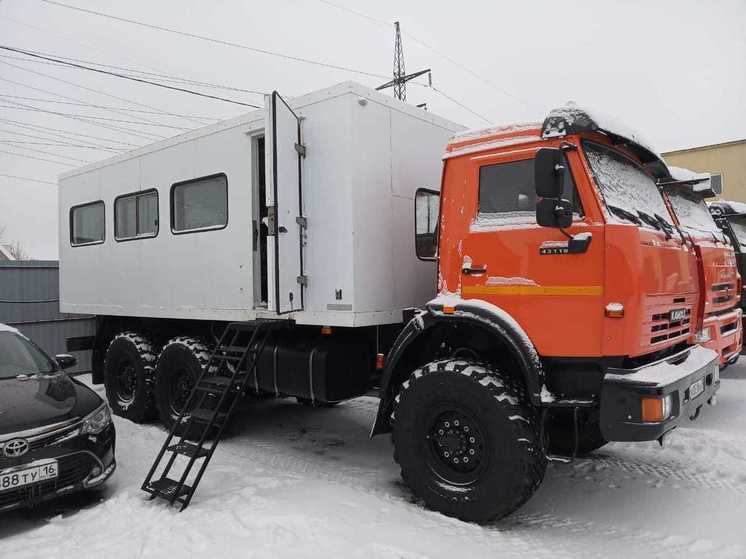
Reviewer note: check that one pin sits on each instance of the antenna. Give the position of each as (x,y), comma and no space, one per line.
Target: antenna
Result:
(400,76)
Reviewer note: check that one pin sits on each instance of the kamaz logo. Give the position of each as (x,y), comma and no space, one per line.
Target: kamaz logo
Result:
(677,314)
(15,448)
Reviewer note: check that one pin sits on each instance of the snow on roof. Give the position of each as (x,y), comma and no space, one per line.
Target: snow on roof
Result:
(6,328)
(574,115)
(475,133)
(729,206)
(700,181)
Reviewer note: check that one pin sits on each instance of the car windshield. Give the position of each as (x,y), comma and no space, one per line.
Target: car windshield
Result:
(629,193)
(18,356)
(692,211)
(738,225)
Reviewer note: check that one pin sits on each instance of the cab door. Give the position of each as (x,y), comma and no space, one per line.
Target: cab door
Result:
(528,270)
(286,223)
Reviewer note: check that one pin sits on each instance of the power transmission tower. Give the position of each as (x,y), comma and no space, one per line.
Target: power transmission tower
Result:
(399,83)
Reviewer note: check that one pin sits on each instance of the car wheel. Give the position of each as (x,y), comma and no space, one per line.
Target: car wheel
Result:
(466,440)
(129,376)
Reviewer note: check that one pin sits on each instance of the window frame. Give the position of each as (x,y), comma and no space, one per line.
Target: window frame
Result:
(577,216)
(157,210)
(198,229)
(437,225)
(70,219)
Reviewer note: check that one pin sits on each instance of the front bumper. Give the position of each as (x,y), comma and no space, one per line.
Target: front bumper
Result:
(726,335)
(84,461)
(623,389)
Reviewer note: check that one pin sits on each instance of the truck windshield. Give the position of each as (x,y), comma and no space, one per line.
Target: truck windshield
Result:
(692,211)
(629,193)
(738,225)
(18,356)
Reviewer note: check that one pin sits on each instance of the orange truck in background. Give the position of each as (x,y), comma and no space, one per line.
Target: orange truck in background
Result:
(570,303)
(722,328)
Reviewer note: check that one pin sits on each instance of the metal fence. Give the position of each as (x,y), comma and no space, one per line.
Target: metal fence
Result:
(29,301)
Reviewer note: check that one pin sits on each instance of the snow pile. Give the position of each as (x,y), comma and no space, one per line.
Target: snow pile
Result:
(475,133)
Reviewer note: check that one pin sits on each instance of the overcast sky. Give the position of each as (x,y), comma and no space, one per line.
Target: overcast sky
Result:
(674,70)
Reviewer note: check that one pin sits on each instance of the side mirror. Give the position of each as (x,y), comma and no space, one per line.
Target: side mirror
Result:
(65,361)
(426,215)
(549,172)
(551,212)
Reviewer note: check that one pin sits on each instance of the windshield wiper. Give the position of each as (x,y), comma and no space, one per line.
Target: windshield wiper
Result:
(649,219)
(667,227)
(624,214)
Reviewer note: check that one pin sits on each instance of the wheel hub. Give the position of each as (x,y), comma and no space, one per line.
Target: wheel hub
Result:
(180,391)
(457,442)
(126,382)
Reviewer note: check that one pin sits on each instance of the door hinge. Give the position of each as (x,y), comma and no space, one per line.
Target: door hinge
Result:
(302,280)
(272,221)
(301,149)
(302,221)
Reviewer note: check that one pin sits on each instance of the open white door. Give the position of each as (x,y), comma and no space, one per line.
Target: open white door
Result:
(286,222)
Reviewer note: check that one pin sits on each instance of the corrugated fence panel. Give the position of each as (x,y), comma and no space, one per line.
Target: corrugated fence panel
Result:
(29,301)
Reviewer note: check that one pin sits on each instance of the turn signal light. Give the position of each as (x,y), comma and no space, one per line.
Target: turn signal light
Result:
(615,310)
(326,330)
(449,310)
(655,410)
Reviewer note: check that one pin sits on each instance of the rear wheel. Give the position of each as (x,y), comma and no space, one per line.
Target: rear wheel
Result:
(129,376)
(466,440)
(180,365)
(560,432)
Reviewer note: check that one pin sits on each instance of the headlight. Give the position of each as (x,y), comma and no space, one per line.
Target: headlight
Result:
(97,421)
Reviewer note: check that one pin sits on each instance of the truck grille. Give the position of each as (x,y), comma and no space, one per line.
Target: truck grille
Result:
(669,319)
(73,469)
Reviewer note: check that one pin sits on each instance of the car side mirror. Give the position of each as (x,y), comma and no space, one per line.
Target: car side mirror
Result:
(549,173)
(65,361)
(554,212)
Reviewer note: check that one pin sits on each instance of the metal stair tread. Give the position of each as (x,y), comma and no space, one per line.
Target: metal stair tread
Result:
(166,487)
(186,448)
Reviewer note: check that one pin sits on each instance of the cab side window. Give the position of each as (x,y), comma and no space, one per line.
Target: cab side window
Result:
(507,192)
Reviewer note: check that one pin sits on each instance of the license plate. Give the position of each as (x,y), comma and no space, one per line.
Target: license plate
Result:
(696,389)
(678,314)
(12,479)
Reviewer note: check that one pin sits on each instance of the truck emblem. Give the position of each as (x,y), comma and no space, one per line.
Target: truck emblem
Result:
(16,448)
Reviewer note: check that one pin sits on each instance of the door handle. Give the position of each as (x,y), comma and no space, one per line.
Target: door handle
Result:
(473,270)
(282,229)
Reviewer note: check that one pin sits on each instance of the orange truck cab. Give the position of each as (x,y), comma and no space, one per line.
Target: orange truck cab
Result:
(722,328)
(569,300)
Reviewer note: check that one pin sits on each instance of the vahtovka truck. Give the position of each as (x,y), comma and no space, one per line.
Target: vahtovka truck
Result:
(525,293)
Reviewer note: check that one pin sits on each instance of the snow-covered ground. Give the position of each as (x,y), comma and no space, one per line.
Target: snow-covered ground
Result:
(290,481)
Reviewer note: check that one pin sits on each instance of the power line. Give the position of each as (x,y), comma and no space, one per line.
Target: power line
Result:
(27,179)
(146,135)
(92,105)
(58,131)
(431,48)
(460,104)
(162,76)
(58,144)
(60,137)
(25,107)
(98,91)
(217,41)
(144,120)
(52,154)
(37,158)
(131,78)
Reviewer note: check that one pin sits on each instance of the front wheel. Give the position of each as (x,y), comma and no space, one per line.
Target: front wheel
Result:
(467,442)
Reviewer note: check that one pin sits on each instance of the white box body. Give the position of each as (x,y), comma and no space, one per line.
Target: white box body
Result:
(366,156)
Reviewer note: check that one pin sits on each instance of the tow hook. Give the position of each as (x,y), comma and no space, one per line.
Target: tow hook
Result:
(713,401)
(664,438)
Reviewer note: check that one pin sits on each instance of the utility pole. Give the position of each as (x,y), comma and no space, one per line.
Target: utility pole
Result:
(399,83)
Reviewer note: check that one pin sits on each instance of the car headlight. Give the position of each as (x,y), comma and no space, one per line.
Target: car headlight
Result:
(97,421)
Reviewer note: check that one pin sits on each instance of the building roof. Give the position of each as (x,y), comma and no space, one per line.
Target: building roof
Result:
(708,146)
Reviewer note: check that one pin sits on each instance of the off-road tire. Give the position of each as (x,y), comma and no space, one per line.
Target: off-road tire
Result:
(130,360)
(559,432)
(181,362)
(510,463)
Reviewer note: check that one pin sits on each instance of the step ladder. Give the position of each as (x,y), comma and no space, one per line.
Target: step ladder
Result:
(209,406)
